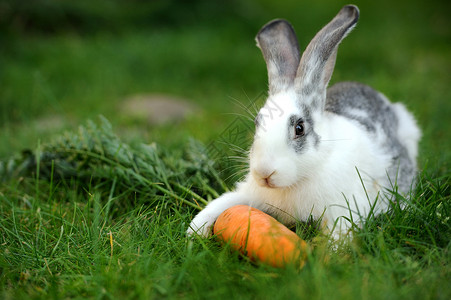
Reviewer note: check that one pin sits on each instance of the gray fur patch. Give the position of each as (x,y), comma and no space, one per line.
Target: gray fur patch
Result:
(346,98)
(369,109)
(258,120)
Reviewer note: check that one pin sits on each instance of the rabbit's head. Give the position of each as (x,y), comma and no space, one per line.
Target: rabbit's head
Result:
(287,147)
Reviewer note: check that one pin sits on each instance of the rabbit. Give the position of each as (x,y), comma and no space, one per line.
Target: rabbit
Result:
(331,153)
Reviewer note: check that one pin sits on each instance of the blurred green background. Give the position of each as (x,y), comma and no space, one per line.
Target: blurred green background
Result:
(62,62)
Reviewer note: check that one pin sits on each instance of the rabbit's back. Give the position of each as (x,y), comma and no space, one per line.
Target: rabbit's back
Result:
(392,128)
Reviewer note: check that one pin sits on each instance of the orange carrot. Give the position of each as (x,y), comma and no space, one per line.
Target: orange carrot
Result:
(260,236)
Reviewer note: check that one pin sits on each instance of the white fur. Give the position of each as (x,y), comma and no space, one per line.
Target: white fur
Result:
(408,132)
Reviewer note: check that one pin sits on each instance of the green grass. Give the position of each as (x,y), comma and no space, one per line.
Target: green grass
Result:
(107,219)
(100,211)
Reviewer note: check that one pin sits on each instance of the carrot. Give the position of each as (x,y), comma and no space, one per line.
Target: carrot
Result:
(260,236)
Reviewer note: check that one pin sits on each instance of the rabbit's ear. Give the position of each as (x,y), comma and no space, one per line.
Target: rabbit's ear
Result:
(318,61)
(279,45)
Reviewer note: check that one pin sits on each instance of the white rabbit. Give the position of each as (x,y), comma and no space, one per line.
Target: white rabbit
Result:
(321,153)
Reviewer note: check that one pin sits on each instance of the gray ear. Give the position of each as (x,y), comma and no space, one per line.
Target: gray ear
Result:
(318,61)
(280,49)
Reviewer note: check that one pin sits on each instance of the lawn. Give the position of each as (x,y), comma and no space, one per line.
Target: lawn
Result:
(94,203)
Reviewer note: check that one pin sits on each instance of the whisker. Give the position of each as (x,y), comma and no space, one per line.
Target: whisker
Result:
(233,171)
(248,118)
(238,173)
(242,151)
(235,148)
(244,107)
(238,159)
(230,167)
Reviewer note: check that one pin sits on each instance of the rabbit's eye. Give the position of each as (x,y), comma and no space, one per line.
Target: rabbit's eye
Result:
(299,129)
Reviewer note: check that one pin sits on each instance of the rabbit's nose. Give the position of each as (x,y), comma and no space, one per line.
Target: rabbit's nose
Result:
(269,181)
(263,177)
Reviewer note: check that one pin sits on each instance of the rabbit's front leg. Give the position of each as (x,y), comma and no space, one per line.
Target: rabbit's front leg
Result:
(202,224)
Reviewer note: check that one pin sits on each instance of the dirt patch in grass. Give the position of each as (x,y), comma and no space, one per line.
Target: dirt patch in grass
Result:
(157,109)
